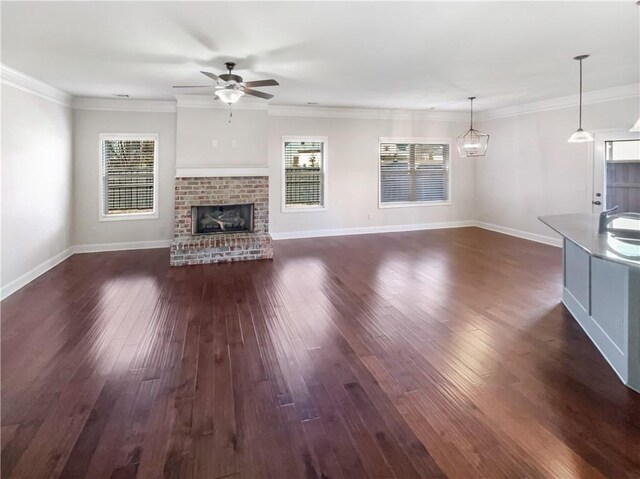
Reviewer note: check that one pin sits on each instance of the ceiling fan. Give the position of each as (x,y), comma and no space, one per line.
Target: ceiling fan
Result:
(230,87)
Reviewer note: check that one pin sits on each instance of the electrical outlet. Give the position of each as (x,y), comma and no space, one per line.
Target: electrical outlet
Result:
(234,144)
(214,143)
(370,216)
(93,230)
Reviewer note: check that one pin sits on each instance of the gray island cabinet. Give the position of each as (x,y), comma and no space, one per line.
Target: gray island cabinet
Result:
(602,289)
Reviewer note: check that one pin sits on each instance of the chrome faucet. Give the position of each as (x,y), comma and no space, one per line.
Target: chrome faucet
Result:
(604,216)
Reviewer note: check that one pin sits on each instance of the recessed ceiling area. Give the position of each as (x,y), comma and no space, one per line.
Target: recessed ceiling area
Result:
(414,55)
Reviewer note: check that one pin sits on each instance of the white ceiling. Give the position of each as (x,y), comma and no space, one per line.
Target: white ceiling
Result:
(415,55)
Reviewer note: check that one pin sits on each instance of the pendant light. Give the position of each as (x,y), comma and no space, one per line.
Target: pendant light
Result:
(473,142)
(580,136)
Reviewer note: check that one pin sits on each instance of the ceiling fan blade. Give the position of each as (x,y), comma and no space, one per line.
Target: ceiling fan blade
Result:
(192,86)
(252,84)
(211,75)
(257,93)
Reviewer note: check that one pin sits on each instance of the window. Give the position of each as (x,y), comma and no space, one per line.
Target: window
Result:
(414,171)
(305,167)
(128,186)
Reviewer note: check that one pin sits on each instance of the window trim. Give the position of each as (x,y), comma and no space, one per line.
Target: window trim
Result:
(127,216)
(410,204)
(325,174)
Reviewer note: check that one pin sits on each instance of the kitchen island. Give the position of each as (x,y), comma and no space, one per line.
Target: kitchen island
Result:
(602,289)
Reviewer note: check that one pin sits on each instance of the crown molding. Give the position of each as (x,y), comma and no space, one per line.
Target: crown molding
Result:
(24,82)
(116,104)
(207,101)
(624,92)
(366,113)
(28,84)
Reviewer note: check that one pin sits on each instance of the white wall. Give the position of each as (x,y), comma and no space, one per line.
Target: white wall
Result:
(353,161)
(36,184)
(87,126)
(530,169)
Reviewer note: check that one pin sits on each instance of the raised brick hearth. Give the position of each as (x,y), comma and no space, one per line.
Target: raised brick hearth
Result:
(188,248)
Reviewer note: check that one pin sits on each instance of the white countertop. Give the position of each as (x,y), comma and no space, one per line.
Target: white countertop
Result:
(582,229)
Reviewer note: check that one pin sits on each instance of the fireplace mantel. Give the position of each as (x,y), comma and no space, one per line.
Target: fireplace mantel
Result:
(224,171)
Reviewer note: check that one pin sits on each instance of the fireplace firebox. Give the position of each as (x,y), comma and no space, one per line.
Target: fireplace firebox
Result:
(216,219)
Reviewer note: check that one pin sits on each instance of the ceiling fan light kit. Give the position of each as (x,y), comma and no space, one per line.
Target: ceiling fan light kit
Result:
(580,136)
(229,95)
(473,142)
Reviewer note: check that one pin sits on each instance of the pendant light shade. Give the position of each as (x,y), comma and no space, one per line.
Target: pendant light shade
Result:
(636,127)
(580,136)
(473,142)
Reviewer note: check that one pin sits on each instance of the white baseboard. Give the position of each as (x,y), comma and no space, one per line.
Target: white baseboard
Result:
(39,270)
(369,230)
(29,276)
(102,247)
(42,268)
(550,240)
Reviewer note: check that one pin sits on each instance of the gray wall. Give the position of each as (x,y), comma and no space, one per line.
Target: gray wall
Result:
(241,142)
(87,126)
(36,182)
(531,170)
(254,138)
(353,162)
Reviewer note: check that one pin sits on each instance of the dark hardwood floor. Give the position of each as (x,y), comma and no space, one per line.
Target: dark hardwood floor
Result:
(435,354)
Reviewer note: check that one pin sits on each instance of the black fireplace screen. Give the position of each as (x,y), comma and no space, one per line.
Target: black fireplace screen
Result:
(212,219)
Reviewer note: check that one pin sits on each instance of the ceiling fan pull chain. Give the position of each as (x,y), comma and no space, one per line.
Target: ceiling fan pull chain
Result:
(230,113)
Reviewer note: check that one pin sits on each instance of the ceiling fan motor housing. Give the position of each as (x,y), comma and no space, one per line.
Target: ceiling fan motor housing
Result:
(230,77)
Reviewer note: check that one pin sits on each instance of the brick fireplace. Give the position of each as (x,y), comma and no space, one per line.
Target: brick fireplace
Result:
(223,230)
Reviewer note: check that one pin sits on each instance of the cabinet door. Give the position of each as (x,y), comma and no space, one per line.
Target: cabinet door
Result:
(609,300)
(576,273)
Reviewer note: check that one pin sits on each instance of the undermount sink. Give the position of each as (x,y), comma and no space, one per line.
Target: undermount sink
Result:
(624,226)
(623,247)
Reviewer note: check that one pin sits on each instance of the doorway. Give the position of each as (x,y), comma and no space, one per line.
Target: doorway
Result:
(616,175)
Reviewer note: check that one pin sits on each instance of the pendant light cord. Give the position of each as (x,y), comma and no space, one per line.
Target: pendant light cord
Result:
(580,114)
(471,98)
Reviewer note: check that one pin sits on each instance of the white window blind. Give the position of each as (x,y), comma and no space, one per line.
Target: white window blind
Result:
(304,166)
(128,176)
(414,172)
